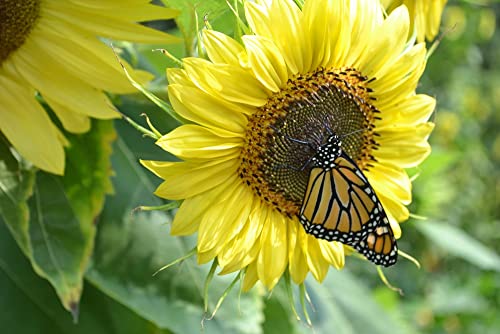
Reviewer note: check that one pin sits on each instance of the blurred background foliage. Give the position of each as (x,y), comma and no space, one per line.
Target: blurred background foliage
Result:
(454,233)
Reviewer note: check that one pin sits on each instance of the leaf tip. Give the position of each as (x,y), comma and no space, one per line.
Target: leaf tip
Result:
(74,308)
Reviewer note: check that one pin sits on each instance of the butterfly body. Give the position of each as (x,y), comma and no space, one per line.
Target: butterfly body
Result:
(340,205)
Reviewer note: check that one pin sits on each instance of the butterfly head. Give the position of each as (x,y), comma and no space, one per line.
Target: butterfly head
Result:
(327,153)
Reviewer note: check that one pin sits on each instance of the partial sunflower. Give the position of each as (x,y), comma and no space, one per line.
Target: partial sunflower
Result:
(425,16)
(337,66)
(52,48)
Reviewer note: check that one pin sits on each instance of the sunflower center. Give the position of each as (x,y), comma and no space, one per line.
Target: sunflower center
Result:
(283,135)
(17,18)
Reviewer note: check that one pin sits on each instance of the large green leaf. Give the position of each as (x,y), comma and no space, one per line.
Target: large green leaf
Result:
(29,305)
(130,247)
(57,233)
(60,246)
(458,243)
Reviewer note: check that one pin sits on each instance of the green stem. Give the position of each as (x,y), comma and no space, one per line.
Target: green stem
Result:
(303,296)
(140,128)
(209,278)
(224,295)
(164,207)
(187,256)
(153,98)
(386,282)
(289,292)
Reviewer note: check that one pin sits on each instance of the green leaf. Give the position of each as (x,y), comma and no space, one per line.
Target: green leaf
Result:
(344,305)
(447,298)
(63,209)
(279,317)
(341,304)
(26,295)
(58,236)
(88,169)
(60,246)
(217,12)
(130,247)
(16,186)
(458,243)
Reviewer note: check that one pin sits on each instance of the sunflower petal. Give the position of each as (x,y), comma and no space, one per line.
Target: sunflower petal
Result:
(297,267)
(221,49)
(184,182)
(266,62)
(195,142)
(395,209)
(314,257)
(91,102)
(205,109)
(364,18)
(22,119)
(413,111)
(188,218)
(333,253)
(390,35)
(106,25)
(72,121)
(391,181)
(288,34)
(273,258)
(405,147)
(219,224)
(245,246)
(391,77)
(251,277)
(226,81)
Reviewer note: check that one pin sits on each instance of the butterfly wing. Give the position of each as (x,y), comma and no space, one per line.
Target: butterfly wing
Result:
(340,205)
(379,246)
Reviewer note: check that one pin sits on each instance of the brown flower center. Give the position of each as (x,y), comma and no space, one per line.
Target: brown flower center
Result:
(283,135)
(17,18)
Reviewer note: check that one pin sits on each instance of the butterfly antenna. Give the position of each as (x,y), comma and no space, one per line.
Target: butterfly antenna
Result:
(353,132)
(295,140)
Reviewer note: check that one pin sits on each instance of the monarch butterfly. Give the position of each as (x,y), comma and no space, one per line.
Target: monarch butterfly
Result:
(340,205)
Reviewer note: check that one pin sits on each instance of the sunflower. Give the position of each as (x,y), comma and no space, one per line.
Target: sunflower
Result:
(425,16)
(51,49)
(292,78)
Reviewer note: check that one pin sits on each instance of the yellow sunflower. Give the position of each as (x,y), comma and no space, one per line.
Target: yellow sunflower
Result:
(425,16)
(52,48)
(300,69)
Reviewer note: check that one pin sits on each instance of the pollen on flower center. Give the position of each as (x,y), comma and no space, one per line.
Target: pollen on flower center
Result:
(17,18)
(283,135)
